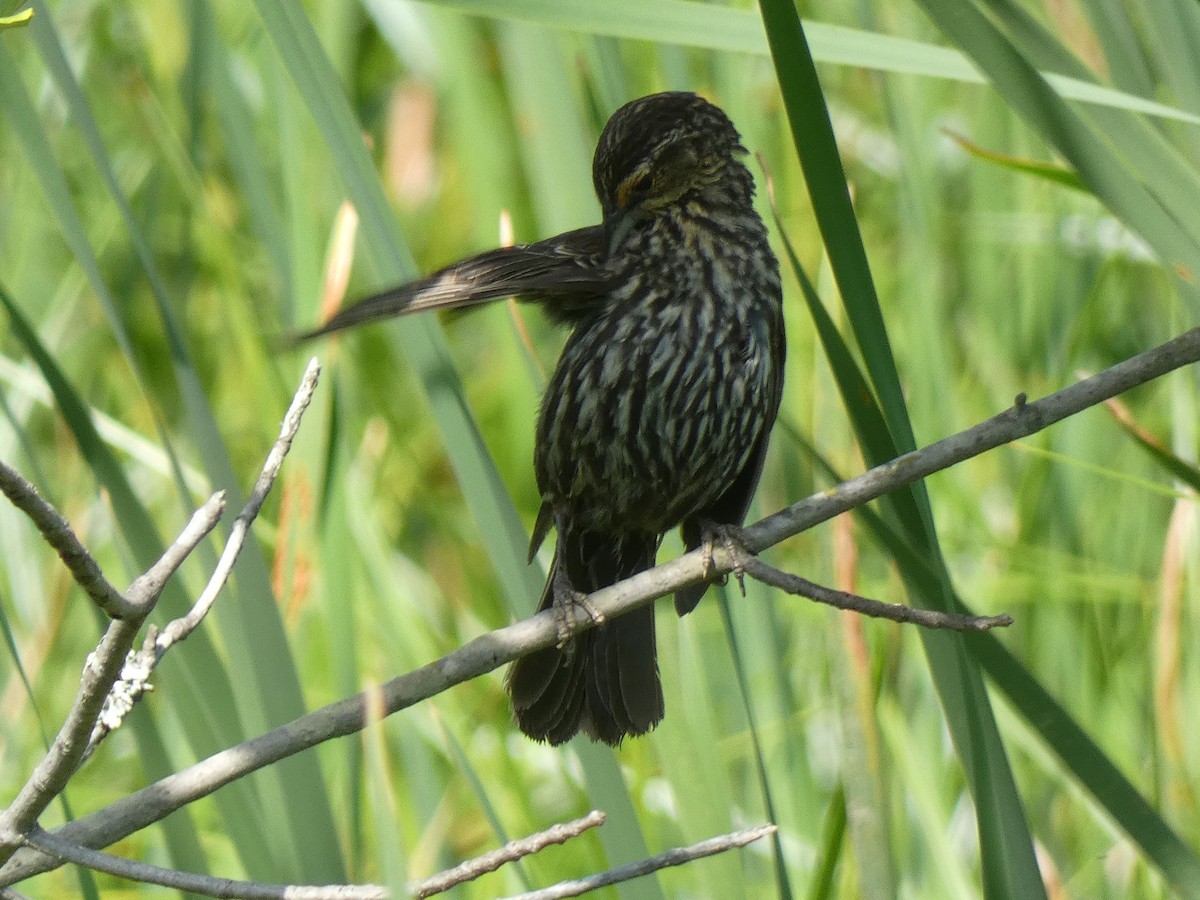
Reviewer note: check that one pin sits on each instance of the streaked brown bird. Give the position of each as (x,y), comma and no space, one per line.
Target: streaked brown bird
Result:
(662,402)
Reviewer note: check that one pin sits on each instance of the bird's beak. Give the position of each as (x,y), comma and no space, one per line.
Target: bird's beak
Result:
(617,223)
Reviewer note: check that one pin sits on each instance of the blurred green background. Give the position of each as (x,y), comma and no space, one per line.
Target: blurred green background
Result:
(174,181)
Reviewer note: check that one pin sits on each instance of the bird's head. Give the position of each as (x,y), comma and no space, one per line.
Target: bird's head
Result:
(663,149)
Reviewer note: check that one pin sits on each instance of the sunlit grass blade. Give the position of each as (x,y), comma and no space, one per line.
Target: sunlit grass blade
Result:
(1106,173)
(211,71)
(1009,866)
(482,793)
(782,880)
(16,19)
(278,692)
(389,260)
(1169,175)
(1054,725)
(390,856)
(1048,171)
(146,547)
(1173,29)
(621,834)
(726,28)
(1115,30)
(1171,462)
(1179,864)
(833,835)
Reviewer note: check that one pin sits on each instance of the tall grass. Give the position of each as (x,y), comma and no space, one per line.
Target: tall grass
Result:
(171,182)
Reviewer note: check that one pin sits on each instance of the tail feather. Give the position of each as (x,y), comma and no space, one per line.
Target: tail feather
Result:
(605,681)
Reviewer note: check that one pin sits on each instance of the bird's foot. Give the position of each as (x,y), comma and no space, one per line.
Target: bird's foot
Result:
(566,601)
(731,539)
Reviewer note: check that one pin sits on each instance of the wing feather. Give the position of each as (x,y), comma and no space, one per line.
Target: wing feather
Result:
(566,273)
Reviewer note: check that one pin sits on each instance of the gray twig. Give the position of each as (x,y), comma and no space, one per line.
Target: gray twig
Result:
(211,886)
(144,591)
(205,885)
(132,678)
(676,857)
(180,628)
(489,862)
(58,534)
(896,612)
(134,681)
(55,769)
(112,677)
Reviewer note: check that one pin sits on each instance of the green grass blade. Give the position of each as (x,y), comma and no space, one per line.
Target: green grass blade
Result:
(833,835)
(621,834)
(1061,734)
(782,881)
(1009,866)
(279,698)
(144,542)
(420,338)
(737,30)
(1178,862)
(16,19)
(1089,152)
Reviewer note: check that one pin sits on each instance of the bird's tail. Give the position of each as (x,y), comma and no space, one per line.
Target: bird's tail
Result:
(605,681)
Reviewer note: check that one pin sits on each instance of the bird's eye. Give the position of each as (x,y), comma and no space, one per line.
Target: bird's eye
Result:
(635,189)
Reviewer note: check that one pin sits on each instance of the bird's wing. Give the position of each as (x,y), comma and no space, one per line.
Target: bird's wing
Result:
(564,272)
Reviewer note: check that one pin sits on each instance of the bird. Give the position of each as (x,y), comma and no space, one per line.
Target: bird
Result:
(660,408)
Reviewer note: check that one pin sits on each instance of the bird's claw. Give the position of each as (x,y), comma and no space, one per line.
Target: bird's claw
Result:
(730,537)
(566,601)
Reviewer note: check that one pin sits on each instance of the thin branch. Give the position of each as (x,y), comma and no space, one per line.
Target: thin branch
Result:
(144,591)
(1024,418)
(58,534)
(490,651)
(180,628)
(513,850)
(676,857)
(896,612)
(102,698)
(210,886)
(205,885)
(103,667)
(134,682)
(62,760)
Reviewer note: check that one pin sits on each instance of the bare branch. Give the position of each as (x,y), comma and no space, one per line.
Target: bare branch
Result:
(100,702)
(134,682)
(676,857)
(179,629)
(59,535)
(210,886)
(896,612)
(1023,418)
(145,590)
(101,671)
(206,885)
(55,769)
(489,651)
(513,850)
